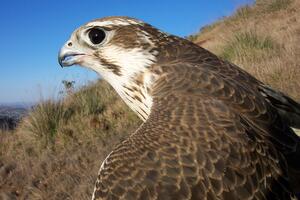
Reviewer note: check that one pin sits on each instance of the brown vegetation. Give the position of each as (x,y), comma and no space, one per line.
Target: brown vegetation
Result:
(56,151)
(58,148)
(263,39)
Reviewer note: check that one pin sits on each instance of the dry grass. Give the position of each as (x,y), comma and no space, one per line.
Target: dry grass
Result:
(45,119)
(273,5)
(263,39)
(56,151)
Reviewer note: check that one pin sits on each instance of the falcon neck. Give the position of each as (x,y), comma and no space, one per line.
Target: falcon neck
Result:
(128,71)
(136,93)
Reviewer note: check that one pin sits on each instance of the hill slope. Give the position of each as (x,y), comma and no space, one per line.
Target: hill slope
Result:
(57,149)
(263,39)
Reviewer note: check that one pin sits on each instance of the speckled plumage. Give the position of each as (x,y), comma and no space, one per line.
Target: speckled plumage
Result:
(211,131)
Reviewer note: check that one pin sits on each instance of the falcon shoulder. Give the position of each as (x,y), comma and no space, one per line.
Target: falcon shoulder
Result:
(208,136)
(287,108)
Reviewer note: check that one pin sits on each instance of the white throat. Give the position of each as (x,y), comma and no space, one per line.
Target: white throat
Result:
(134,81)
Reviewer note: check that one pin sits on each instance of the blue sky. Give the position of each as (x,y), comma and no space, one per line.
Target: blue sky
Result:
(33,31)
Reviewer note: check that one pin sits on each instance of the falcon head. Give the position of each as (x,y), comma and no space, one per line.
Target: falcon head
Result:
(122,50)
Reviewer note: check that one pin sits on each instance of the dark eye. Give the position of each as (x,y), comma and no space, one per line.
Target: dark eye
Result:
(96,35)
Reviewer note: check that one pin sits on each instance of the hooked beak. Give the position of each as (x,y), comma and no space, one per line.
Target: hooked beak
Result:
(68,56)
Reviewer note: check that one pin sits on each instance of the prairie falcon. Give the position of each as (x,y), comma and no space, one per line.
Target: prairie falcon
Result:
(210,131)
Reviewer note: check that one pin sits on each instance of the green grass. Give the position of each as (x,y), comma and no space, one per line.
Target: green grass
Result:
(248,45)
(45,119)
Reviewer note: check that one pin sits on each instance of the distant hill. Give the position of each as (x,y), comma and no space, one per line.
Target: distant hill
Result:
(10,116)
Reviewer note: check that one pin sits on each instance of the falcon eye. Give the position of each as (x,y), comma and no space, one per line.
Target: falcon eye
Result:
(96,35)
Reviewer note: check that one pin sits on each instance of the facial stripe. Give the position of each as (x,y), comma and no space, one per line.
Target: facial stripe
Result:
(116,69)
(137,98)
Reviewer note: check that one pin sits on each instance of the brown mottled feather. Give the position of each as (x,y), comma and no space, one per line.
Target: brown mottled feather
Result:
(210,135)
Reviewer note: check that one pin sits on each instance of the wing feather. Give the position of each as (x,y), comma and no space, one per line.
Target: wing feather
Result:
(209,138)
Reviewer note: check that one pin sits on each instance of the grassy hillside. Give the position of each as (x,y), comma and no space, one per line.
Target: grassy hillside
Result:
(56,151)
(263,39)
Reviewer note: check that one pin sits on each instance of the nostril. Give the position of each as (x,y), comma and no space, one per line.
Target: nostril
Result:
(70,44)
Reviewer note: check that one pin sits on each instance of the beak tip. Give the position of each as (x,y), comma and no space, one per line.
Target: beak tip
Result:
(60,62)
(60,58)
